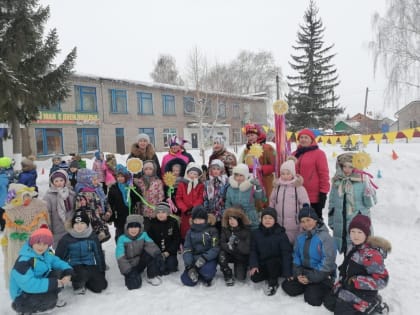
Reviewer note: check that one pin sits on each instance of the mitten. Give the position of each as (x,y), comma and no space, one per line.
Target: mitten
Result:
(322,197)
(193,274)
(362,306)
(200,262)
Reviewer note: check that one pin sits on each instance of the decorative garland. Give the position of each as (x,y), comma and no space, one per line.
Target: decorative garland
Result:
(18,223)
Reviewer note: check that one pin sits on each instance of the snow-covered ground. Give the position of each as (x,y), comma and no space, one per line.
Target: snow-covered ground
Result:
(395,217)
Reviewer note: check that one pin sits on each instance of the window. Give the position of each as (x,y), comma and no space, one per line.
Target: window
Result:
(49,141)
(236,136)
(87,139)
(119,132)
(85,99)
(189,106)
(168,104)
(150,132)
(221,111)
(413,124)
(207,108)
(167,134)
(118,101)
(52,108)
(235,111)
(145,103)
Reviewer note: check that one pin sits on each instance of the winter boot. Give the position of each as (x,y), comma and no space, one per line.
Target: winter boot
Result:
(80,291)
(60,300)
(156,281)
(378,307)
(271,289)
(227,273)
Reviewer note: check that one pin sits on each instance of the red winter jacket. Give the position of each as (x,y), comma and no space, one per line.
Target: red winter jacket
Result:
(313,167)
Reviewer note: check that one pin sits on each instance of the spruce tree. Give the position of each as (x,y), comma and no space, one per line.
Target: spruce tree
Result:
(311,97)
(28,77)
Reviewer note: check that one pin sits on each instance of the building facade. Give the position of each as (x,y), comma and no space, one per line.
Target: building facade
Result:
(408,116)
(108,114)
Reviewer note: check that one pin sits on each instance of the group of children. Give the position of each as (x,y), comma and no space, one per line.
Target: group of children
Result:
(215,222)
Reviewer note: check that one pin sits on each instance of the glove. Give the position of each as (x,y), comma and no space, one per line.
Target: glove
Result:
(362,307)
(165,255)
(322,197)
(200,262)
(192,274)
(233,240)
(256,183)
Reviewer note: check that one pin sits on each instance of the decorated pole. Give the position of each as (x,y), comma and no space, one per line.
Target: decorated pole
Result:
(280,108)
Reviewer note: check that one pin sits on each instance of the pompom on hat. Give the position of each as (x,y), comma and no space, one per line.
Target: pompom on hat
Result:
(307,132)
(41,235)
(361,222)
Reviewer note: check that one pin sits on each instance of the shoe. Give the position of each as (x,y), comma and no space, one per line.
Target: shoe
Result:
(271,290)
(80,291)
(229,282)
(208,283)
(154,281)
(60,302)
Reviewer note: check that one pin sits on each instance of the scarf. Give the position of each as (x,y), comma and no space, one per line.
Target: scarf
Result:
(214,185)
(63,204)
(344,185)
(124,191)
(191,184)
(301,150)
(85,234)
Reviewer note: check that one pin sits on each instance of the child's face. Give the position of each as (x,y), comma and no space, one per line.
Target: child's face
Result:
(286,175)
(162,216)
(307,223)
(215,171)
(199,221)
(239,178)
(80,227)
(82,202)
(73,169)
(56,161)
(176,148)
(357,236)
(233,222)
(58,182)
(95,181)
(120,178)
(148,170)
(133,231)
(176,170)
(267,221)
(347,169)
(192,175)
(40,248)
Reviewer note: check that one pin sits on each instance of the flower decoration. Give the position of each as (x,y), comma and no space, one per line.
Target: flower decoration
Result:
(361,160)
(280,107)
(169,179)
(134,165)
(256,150)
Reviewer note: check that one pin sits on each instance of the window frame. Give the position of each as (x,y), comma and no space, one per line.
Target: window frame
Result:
(165,105)
(114,96)
(140,103)
(167,133)
(150,132)
(44,141)
(82,147)
(79,101)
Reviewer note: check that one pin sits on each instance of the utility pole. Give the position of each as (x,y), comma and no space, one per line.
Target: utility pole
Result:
(365,109)
(332,112)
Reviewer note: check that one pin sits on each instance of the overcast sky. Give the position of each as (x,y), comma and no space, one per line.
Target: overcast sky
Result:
(123,39)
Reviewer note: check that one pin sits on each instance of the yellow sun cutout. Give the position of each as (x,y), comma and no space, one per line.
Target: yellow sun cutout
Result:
(361,160)
(280,107)
(169,179)
(134,165)
(256,150)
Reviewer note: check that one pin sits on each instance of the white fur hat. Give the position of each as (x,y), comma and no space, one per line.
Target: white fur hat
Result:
(144,137)
(289,165)
(241,169)
(217,163)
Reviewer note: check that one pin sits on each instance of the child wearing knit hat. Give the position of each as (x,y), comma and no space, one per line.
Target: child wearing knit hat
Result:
(81,248)
(288,197)
(164,230)
(313,259)
(34,287)
(271,252)
(362,273)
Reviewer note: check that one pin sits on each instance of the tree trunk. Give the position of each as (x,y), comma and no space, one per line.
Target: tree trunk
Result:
(16,136)
(26,147)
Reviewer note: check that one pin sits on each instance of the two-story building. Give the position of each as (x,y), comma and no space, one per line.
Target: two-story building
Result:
(108,114)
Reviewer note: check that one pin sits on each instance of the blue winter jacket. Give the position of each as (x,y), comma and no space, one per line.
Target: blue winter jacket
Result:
(28,178)
(314,254)
(30,272)
(4,183)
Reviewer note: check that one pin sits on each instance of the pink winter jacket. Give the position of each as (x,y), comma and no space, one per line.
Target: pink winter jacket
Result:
(288,199)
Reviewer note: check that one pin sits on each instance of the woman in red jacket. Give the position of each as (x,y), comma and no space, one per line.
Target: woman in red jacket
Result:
(312,165)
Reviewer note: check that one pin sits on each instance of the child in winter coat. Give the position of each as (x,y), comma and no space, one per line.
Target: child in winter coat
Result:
(98,167)
(87,181)
(351,194)
(72,173)
(81,248)
(271,252)
(38,275)
(28,175)
(362,273)
(6,178)
(235,244)
(215,191)
(241,193)
(56,160)
(313,260)
(288,197)
(110,169)
(188,195)
(135,251)
(164,230)
(23,215)
(122,200)
(60,204)
(201,249)
(151,187)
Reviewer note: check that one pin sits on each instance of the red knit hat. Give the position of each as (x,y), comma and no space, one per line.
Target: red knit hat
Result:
(361,222)
(307,132)
(42,235)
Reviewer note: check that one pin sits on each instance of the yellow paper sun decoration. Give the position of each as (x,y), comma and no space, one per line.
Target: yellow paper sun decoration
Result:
(280,107)
(256,150)
(169,179)
(361,160)
(134,165)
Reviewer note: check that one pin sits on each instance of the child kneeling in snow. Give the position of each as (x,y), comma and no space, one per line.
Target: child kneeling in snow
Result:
(34,281)
(81,248)
(201,249)
(362,273)
(135,251)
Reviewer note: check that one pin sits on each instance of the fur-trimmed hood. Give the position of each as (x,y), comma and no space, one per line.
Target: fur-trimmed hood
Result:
(237,213)
(295,182)
(244,186)
(211,220)
(148,154)
(380,243)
